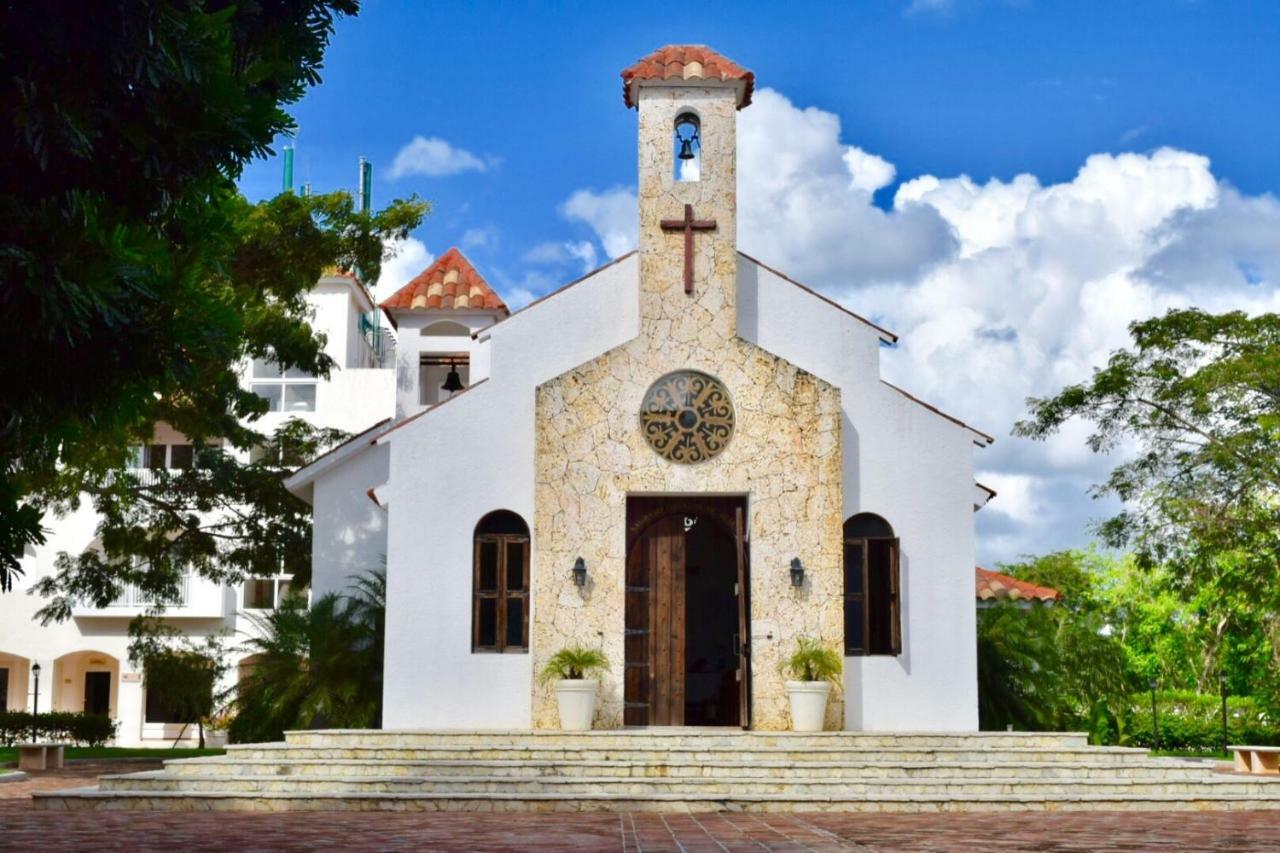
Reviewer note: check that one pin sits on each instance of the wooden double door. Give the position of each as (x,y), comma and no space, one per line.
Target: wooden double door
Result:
(687,612)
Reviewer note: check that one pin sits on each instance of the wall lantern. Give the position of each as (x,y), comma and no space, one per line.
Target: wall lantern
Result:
(797,572)
(579,572)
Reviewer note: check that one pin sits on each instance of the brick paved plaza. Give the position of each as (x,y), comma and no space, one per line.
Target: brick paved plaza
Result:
(22,828)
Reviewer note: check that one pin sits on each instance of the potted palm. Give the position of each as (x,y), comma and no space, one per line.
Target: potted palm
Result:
(575,692)
(813,668)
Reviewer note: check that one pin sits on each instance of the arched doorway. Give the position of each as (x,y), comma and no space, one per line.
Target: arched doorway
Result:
(687,635)
(86,681)
(14,670)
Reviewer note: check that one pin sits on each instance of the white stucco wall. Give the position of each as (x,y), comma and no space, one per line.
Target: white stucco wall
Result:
(914,468)
(411,344)
(460,460)
(349,537)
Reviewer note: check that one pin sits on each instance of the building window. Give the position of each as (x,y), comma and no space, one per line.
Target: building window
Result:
(500,584)
(266,593)
(872,612)
(292,390)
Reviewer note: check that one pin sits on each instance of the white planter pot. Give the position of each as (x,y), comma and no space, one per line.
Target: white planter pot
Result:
(808,704)
(577,700)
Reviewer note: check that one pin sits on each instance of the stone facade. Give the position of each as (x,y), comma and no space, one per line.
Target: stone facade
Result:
(785,454)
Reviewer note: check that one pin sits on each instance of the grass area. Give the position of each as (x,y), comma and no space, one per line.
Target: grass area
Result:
(9,754)
(1187,753)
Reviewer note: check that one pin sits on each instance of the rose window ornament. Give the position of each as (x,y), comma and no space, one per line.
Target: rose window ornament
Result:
(687,416)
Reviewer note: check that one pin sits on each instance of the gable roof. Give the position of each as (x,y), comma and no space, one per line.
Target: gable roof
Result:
(885,335)
(687,62)
(451,283)
(998,587)
(300,482)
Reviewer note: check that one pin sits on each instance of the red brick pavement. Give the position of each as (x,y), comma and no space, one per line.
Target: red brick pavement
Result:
(22,828)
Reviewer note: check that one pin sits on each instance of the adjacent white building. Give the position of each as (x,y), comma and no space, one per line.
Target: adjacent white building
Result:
(84,662)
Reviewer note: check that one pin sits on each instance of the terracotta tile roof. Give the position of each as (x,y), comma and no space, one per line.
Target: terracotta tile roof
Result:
(995,586)
(449,284)
(687,62)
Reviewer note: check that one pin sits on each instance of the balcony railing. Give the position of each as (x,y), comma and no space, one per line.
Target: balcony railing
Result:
(131,596)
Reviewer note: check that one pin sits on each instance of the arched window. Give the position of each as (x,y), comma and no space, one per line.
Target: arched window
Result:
(687,146)
(500,584)
(872,615)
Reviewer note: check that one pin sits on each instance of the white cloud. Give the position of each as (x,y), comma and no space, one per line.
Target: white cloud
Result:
(582,251)
(434,157)
(409,257)
(611,214)
(475,237)
(1001,290)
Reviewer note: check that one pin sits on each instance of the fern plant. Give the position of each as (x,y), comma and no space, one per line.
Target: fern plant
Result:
(574,662)
(813,661)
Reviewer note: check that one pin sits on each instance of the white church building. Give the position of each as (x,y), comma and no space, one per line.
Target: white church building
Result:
(685,458)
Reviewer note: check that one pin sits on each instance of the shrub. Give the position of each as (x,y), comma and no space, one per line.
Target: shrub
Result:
(1193,721)
(574,662)
(812,661)
(78,728)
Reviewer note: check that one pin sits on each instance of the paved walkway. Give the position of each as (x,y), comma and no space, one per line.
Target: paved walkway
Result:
(22,828)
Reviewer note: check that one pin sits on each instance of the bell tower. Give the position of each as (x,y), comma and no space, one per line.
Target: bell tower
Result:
(687,97)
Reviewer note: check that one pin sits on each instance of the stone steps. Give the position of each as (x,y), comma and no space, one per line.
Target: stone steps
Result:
(671,738)
(96,799)
(625,787)
(674,770)
(1154,769)
(657,751)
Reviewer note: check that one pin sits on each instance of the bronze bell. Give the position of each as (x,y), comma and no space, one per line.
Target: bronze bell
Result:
(453,382)
(686,149)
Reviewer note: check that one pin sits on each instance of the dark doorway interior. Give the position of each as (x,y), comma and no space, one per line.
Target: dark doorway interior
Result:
(4,687)
(711,627)
(97,693)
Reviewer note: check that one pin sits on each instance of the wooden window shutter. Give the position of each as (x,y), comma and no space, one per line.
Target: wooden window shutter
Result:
(895,607)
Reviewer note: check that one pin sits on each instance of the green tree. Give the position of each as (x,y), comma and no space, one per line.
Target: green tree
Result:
(314,668)
(1052,667)
(134,275)
(184,672)
(1194,404)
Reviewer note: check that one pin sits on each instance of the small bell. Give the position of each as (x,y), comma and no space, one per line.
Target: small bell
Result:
(686,149)
(453,382)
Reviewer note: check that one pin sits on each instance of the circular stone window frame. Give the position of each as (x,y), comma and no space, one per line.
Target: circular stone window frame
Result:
(673,449)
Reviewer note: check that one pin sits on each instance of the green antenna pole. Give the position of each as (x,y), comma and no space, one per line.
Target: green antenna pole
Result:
(288,168)
(366,185)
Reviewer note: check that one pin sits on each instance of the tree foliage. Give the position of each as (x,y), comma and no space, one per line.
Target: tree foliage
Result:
(1194,409)
(135,277)
(1054,667)
(314,668)
(183,671)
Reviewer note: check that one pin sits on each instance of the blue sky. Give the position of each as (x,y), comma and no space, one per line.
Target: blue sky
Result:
(1007,184)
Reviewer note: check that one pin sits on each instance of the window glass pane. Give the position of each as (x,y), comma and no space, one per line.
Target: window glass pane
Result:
(300,398)
(259,594)
(155,455)
(296,373)
(488,566)
(853,616)
(852,567)
(488,623)
(181,456)
(273,394)
(265,369)
(515,621)
(282,590)
(878,551)
(515,566)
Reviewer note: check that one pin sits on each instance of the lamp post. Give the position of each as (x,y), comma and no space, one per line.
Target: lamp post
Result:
(35,701)
(1155,717)
(1222,688)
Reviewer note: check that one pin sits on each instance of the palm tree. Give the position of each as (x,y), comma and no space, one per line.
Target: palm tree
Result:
(317,667)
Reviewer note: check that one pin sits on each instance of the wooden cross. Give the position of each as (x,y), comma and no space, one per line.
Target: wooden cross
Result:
(688,225)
